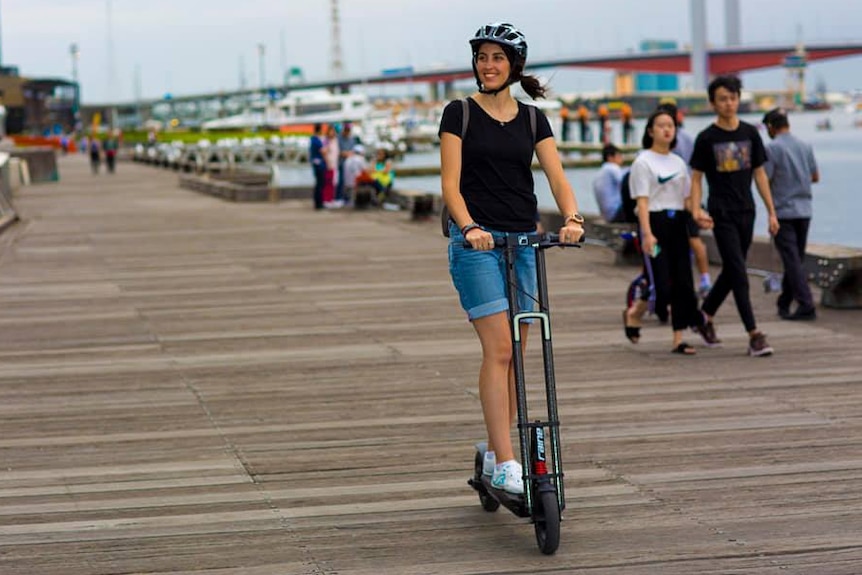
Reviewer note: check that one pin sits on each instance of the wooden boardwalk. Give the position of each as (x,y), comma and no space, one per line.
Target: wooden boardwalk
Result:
(189,386)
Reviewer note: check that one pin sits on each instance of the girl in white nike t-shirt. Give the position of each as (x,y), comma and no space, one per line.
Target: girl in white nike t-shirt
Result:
(660,184)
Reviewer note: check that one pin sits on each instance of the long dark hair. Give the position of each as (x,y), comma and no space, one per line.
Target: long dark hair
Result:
(531,84)
(647,140)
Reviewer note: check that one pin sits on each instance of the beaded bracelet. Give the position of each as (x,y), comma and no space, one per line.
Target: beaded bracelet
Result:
(468,227)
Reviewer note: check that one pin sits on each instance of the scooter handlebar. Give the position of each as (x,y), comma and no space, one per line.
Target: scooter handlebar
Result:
(539,241)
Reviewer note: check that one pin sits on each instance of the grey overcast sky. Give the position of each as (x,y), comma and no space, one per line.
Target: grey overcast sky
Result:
(194,46)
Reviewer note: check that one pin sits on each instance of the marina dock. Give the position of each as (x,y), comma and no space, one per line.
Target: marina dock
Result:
(190,386)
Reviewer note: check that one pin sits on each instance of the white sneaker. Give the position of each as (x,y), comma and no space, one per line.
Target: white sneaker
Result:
(508,477)
(489,463)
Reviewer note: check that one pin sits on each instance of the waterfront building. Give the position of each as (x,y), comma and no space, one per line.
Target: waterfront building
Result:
(655,82)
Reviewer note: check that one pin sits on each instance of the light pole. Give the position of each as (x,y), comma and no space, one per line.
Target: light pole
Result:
(261,52)
(75,53)
(112,67)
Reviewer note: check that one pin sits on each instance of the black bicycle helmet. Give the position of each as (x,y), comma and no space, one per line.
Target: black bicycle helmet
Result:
(501,33)
(512,40)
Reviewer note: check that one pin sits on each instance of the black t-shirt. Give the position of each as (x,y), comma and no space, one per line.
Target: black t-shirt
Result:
(728,158)
(496,159)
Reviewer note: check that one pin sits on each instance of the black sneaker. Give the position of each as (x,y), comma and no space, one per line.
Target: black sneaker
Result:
(758,346)
(707,332)
(783,312)
(803,314)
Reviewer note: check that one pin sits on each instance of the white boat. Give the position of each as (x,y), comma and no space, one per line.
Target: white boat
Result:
(302,107)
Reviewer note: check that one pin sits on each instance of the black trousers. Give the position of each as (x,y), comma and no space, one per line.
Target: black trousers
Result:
(672,268)
(790,242)
(733,233)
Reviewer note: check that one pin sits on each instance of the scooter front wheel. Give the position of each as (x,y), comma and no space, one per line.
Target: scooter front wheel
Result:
(489,504)
(547,522)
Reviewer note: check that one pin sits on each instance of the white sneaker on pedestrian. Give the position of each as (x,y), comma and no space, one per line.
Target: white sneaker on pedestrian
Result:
(508,477)
(489,463)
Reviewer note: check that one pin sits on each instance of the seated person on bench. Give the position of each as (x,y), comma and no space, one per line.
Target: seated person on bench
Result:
(607,185)
(383,174)
(354,166)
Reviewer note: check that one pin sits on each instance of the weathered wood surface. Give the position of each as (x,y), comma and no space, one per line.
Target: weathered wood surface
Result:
(190,386)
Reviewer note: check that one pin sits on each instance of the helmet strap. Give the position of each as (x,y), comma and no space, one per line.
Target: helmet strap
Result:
(509,80)
(482,89)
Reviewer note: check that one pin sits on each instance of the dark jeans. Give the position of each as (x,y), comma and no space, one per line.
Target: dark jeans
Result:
(733,233)
(618,217)
(319,180)
(672,268)
(790,242)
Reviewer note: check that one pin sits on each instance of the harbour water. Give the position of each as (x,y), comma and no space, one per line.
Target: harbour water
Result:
(836,202)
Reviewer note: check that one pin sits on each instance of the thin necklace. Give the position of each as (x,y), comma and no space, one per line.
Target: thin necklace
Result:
(501,122)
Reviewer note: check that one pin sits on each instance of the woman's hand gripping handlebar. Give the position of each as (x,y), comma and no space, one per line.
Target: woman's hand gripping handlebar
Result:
(478,239)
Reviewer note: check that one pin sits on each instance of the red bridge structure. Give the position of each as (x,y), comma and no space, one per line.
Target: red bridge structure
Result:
(721,61)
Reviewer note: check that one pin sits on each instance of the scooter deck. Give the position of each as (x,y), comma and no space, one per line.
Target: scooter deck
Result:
(514,503)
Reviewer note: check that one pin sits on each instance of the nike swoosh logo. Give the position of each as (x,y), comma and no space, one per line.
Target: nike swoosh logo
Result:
(666,179)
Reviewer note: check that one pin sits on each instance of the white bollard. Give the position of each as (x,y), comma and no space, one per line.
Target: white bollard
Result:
(25,173)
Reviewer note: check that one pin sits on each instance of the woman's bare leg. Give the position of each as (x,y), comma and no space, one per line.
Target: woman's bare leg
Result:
(513,398)
(494,384)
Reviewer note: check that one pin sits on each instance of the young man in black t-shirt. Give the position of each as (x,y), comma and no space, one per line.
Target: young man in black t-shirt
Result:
(729,152)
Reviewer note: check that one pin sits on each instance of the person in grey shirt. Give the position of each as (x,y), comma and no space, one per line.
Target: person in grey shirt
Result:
(792,169)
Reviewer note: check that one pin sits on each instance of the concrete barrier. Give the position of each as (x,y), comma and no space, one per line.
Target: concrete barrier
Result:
(41,163)
(837,271)
(240,189)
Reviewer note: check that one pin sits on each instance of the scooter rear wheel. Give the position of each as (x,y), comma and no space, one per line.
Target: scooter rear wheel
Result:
(489,504)
(547,523)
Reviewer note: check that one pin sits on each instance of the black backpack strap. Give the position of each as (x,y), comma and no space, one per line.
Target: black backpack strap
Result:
(629,204)
(532,110)
(465,117)
(465,120)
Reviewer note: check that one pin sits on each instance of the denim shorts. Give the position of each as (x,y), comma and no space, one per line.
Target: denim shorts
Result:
(480,276)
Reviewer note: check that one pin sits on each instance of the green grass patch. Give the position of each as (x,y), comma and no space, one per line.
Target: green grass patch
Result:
(133,137)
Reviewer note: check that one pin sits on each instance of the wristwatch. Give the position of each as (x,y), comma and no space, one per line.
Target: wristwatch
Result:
(575,217)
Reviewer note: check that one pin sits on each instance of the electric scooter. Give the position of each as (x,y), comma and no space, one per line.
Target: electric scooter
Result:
(544,497)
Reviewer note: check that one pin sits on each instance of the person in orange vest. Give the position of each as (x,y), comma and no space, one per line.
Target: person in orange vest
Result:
(604,125)
(628,127)
(564,121)
(584,121)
